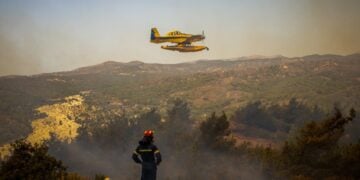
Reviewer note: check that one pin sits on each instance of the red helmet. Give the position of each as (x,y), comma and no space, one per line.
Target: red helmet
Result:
(148,133)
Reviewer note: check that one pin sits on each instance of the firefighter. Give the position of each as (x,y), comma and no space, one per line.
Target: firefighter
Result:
(150,156)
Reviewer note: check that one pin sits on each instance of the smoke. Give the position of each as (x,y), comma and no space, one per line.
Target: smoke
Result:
(18,58)
(333,25)
(20,52)
(89,160)
(108,151)
(28,46)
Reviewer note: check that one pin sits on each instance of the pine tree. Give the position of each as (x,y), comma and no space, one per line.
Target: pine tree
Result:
(213,132)
(29,161)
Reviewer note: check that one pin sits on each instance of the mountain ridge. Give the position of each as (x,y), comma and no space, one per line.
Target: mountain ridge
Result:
(238,59)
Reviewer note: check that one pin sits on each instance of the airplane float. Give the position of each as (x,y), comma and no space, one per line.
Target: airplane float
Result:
(183,41)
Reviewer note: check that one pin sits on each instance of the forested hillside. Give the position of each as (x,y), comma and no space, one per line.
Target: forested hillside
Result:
(218,112)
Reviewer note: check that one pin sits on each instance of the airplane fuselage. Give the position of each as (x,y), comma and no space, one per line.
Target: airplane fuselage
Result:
(182,40)
(177,39)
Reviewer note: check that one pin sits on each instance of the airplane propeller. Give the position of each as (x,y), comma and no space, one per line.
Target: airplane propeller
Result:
(203,34)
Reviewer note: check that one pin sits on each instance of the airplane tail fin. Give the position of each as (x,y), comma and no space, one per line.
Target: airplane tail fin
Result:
(154,33)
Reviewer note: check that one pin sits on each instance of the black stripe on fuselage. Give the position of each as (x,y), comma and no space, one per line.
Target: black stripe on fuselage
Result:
(171,37)
(191,37)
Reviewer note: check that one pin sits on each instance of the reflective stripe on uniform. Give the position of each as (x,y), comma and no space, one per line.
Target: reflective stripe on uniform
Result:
(145,150)
(136,153)
(157,151)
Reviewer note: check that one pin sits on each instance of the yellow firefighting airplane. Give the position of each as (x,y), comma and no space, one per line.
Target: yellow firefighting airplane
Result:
(182,40)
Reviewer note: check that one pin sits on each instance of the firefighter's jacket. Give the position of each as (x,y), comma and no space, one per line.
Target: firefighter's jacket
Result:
(150,158)
(149,153)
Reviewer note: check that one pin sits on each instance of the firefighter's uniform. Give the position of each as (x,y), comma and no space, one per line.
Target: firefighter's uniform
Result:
(150,157)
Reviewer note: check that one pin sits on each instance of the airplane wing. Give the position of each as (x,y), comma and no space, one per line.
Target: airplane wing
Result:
(193,38)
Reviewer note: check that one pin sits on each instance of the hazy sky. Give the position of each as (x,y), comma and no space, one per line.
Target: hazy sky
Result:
(55,35)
